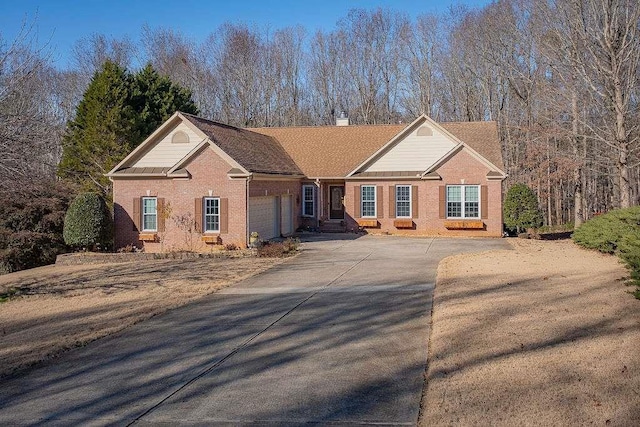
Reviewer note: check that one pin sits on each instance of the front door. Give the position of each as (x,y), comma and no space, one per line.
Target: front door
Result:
(336,202)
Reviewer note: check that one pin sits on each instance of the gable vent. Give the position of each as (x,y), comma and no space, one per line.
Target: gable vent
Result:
(425,131)
(180,138)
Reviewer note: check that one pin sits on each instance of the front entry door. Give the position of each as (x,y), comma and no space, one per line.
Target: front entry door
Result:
(336,202)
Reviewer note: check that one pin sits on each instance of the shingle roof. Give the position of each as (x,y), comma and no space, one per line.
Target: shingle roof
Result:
(255,152)
(481,136)
(331,151)
(335,151)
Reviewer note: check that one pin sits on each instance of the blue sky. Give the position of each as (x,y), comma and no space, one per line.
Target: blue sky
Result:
(62,22)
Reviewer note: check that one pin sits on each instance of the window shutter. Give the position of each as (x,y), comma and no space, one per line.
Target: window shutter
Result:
(392,201)
(198,215)
(484,202)
(136,214)
(443,201)
(414,201)
(161,214)
(224,216)
(356,201)
(379,202)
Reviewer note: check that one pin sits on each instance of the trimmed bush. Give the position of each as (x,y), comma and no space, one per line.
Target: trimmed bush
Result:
(87,223)
(616,232)
(521,209)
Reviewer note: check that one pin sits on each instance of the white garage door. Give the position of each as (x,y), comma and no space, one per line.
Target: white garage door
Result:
(263,217)
(286,208)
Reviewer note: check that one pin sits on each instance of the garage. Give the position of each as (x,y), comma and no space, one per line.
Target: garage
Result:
(286,214)
(264,217)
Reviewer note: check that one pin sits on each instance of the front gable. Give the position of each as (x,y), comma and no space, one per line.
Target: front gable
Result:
(419,150)
(416,151)
(167,150)
(174,145)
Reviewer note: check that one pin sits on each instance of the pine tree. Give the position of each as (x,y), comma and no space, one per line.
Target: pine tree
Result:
(118,111)
(98,136)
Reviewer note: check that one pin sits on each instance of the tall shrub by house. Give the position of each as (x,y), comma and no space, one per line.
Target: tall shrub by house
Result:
(521,209)
(87,223)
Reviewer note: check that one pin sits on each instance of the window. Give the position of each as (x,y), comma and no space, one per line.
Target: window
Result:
(368,201)
(403,201)
(211,214)
(180,138)
(149,214)
(308,202)
(463,201)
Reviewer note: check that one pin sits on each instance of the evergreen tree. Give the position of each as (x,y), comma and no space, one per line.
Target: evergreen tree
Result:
(521,209)
(154,99)
(118,111)
(97,138)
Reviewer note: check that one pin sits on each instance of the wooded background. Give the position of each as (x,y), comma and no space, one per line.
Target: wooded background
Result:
(561,79)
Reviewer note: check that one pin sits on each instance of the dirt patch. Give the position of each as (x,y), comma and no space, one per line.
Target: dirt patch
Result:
(545,334)
(55,308)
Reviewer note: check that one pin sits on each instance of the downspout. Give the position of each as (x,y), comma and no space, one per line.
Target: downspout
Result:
(246,215)
(320,201)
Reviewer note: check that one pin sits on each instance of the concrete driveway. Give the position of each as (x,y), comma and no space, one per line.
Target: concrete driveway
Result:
(337,335)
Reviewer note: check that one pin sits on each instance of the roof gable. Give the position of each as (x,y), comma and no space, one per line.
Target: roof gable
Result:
(425,145)
(416,149)
(165,152)
(183,136)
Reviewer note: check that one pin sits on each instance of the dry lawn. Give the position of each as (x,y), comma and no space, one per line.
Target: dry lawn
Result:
(62,307)
(545,334)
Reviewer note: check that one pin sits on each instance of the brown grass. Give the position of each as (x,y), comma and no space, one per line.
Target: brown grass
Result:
(55,308)
(546,334)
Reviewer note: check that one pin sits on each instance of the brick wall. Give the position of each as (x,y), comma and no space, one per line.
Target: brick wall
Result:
(461,168)
(208,178)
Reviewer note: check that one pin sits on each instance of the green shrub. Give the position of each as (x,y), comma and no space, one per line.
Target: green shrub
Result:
(521,209)
(87,223)
(606,232)
(616,232)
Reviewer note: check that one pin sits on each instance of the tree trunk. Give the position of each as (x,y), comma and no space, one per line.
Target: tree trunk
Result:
(623,145)
(578,217)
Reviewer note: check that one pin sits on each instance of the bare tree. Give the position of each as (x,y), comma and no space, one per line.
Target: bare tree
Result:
(603,39)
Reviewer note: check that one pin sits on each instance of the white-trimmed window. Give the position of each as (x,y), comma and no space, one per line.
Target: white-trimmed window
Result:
(463,201)
(403,201)
(211,214)
(149,214)
(308,200)
(368,201)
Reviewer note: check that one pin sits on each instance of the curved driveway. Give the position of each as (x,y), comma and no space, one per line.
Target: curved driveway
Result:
(337,335)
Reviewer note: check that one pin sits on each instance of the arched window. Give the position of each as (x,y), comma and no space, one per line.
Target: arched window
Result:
(425,131)
(180,138)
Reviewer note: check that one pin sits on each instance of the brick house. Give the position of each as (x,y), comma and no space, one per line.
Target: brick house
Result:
(194,182)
